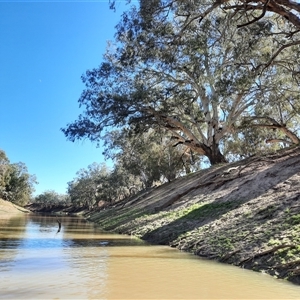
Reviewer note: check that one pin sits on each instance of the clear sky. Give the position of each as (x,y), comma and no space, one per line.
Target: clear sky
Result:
(45,47)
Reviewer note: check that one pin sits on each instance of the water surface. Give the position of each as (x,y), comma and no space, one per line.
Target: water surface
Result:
(83,262)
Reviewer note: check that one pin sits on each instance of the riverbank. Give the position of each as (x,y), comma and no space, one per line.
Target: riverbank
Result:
(246,214)
(7,209)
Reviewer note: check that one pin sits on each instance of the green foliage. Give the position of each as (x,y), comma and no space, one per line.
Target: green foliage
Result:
(83,189)
(197,81)
(139,162)
(117,185)
(253,11)
(148,156)
(213,209)
(294,220)
(4,172)
(98,184)
(176,83)
(16,184)
(50,199)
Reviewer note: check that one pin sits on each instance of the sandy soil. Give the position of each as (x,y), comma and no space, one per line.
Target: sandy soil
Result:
(7,209)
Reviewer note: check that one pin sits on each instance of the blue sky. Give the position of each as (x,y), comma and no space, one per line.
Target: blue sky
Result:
(45,48)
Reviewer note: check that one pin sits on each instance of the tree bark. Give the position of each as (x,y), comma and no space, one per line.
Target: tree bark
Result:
(214,154)
(216,157)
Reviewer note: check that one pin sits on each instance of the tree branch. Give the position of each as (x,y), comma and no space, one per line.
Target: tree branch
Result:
(275,125)
(276,54)
(273,141)
(258,18)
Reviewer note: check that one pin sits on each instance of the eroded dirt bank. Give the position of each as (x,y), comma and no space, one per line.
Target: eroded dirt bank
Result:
(246,214)
(8,209)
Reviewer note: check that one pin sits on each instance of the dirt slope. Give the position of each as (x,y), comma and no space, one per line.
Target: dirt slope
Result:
(245,213)
(7,209)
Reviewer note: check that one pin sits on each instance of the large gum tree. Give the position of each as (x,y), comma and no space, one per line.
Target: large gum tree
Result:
(254,10)
(197,83)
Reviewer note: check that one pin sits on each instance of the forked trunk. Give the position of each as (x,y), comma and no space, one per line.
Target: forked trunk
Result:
(214,155)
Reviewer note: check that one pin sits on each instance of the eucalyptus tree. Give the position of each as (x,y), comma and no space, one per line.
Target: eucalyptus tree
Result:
(97,184)
(4,172)
(119,185)
(20,185)
(149,156)
(253,10)
(199,87)
(83,189)
(246,12)
(16,184)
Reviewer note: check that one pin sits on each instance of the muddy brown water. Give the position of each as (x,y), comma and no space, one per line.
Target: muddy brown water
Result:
(83,262)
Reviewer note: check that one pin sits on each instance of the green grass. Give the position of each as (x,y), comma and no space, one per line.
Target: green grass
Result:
(213,209)
(202,210)
(294,220)
(222,243)
(114,218)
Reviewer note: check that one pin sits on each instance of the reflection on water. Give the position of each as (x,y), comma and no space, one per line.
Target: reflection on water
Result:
(83,262)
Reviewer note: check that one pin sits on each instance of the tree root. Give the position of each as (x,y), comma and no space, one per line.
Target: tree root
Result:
(294,272)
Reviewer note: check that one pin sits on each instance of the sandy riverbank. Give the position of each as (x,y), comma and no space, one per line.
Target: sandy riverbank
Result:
(7,209)
(246,214)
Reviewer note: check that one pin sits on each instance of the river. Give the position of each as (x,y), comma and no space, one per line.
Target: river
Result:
(83,262)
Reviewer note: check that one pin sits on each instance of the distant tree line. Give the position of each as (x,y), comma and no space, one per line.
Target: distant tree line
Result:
(139,162)
(50,200)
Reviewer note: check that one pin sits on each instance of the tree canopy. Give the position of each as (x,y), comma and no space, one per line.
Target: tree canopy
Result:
(287,9)
(149,156)
(50,199)
(16,184)
(204,84)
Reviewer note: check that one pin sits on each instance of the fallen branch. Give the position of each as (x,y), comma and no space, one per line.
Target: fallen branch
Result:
(295,272)
(266,252)
(59,225)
